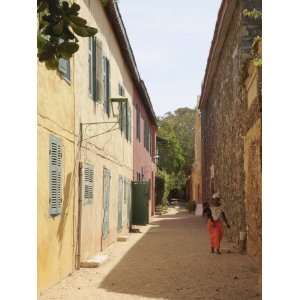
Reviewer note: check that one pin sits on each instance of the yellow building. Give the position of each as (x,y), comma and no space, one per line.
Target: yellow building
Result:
(196,176)
(55,174)
(105,149)
(85,149)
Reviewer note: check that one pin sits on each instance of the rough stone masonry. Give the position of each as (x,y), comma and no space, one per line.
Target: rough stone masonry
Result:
(224,115)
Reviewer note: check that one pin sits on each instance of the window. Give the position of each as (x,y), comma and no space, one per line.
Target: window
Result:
(64,68)
(146,136)
(138,124)
(128,123)
(55,175)
(88,183)
(122,110)
(106,85)
(95,55)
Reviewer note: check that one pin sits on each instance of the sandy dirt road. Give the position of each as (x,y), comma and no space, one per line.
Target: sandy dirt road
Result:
(170,259)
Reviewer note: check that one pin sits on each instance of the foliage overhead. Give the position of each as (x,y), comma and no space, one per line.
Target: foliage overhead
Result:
(176,153)
(256,15)
(59,26)
(181,124)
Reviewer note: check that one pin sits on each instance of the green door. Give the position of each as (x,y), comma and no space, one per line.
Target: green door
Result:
(140,203)
(106,192)
(120,202)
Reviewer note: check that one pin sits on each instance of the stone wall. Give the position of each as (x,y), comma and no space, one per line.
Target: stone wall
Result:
(224,122)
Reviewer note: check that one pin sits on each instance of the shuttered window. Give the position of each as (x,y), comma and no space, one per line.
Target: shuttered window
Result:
(146,136)
(138,124)
(55,175)
(95,68)
(128,127)
(106,84)
(88,184)
(121,109)
(64,68)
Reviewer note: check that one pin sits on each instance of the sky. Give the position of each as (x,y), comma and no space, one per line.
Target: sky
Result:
(170,41)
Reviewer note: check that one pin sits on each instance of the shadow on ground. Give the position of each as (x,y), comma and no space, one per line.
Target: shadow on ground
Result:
(172,261)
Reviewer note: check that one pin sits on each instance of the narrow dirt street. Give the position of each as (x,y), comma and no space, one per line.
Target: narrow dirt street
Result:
(169,259)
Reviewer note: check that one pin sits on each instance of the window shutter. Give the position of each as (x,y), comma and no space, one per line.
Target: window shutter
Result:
(88,183)
(55,175)
(145,134)
(94,60)
(108,87)
(104,81)
(90,66)
(64,67)
(138,124)
(98,70)
(125,121)
(120,109)
(129,123)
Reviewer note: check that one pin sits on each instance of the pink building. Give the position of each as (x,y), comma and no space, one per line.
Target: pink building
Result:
(144,142)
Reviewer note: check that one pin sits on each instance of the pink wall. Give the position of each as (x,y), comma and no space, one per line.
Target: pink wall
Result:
(143,161)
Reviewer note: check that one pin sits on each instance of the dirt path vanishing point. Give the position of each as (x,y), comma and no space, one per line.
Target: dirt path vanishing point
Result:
(170,259)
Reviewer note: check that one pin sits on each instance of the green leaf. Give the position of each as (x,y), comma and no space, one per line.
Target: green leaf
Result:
(91,30)
(41,41)
(67,49)
(74,8)
(45,55)
(43,5)
(58,28)
(80,30)
(52,64)
(77,20)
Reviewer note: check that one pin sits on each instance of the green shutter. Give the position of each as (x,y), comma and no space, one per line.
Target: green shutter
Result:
(120,202)
(55,175)
(129,123)
(106,196)
(64,68)
(94,60)
(88,184)
(98,86)
(104,81)
(108,87)
(90,66)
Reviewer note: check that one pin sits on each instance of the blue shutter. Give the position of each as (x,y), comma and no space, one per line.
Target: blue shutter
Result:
(129,203)
(64,68)
(108,87)
(55,175)
(120,202)
(90,66)
(106,195)
(88,184)
(98,70)
(129,123)
(104,80)
(94,60)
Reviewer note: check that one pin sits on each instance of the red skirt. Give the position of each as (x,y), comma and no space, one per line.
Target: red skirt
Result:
(216,233)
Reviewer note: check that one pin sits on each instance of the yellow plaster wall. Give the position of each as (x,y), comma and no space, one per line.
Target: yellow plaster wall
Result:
(55,237)
(197,166)
(110,150)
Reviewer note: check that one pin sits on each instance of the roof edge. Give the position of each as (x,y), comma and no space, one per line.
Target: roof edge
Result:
(116,21)
(225,12)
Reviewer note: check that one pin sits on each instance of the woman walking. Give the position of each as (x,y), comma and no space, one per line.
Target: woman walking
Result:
(215,216)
